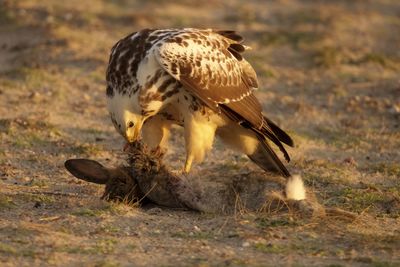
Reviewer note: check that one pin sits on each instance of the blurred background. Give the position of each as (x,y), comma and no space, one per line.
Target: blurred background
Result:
(329,74)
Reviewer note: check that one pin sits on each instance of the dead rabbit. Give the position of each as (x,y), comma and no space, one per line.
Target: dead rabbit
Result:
(147,179)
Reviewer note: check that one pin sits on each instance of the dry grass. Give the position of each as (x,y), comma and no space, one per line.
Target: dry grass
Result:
(329,74)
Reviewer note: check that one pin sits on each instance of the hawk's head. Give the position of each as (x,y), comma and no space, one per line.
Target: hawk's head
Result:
(126,116)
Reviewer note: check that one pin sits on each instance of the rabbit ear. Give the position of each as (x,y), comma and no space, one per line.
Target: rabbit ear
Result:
(88,170)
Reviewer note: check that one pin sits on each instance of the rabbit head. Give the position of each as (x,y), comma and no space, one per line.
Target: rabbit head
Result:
(120,185)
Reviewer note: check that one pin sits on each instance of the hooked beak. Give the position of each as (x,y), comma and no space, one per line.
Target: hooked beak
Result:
(134,134)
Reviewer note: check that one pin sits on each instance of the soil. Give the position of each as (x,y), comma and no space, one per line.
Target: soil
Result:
(328,74)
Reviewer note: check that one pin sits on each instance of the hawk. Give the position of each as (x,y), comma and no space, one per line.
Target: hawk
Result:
(195,78)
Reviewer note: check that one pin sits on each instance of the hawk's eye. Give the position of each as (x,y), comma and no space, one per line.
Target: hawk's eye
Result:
(130,124)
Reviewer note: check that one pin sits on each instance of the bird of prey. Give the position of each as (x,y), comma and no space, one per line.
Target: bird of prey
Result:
(195,78)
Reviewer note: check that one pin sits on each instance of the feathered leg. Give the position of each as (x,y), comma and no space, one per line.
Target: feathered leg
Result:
(199,138)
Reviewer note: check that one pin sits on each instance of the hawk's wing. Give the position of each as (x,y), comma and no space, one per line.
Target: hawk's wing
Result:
(210,65)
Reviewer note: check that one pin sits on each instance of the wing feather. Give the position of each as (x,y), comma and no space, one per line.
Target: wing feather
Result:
(207,64)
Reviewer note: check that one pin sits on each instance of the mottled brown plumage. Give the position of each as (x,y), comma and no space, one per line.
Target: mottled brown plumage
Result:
(198,77)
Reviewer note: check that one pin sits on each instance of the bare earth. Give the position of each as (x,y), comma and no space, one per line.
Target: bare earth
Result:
(329,73)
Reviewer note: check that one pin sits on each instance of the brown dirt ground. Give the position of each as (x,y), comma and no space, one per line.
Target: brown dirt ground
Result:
(329,74)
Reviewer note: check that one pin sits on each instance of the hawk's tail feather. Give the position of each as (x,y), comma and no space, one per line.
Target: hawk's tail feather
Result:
(267,132)
(281,134)
(264,156)
(267,159)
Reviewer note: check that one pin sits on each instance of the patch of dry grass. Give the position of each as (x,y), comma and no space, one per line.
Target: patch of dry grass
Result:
(329,74)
